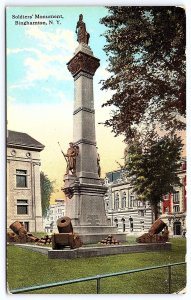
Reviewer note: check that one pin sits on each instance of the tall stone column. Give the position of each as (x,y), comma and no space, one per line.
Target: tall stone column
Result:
(86,207)
(82,67)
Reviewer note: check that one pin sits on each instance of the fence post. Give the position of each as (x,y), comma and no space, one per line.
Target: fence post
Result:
(98,284)
(169,279)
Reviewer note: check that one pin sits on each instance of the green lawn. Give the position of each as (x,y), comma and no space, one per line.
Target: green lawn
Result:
(26,268)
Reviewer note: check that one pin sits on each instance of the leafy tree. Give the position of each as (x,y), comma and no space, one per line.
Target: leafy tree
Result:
(146,50)
(47,188)
(153,168)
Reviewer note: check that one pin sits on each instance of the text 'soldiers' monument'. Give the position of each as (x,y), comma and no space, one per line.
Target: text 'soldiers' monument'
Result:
(82,185)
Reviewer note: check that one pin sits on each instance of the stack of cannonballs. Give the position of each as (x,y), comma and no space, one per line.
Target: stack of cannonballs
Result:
(44,240)
(109,241)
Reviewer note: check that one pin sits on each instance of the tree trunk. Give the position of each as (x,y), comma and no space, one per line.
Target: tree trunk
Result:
(155,211)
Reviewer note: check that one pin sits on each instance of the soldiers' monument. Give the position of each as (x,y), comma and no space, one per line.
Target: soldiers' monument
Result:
(82,185)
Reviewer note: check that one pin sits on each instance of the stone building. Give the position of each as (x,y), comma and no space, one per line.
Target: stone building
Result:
(173,208)
(133,216)
(55,211)
(122,207)
(23,180)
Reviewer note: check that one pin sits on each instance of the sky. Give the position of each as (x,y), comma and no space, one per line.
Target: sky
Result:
(40,89)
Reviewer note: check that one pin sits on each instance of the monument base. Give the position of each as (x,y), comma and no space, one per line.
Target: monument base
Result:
(97,250)
(107,250)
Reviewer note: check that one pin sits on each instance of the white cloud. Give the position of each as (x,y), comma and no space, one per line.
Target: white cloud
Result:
(19,50)
(21,85)
(61,38)
(42,68)
(46,63)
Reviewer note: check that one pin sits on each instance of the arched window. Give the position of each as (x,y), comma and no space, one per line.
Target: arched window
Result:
(124,200)
(131,223)
(123,224)
(116,222)
(116,203)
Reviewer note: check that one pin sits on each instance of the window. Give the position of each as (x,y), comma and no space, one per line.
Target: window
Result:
(131,199)
(166,210)
(26,225)
(140,203)
(176,208)
(21,178)
(176,197)
(116,222)
(116,204)
(141,213)
(124,200)
(123,224)
(22,207)
(131,223)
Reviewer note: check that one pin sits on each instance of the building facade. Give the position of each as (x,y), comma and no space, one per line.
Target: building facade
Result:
(122,207)
(133,216)
(55,211)
(173,207)
(23,181)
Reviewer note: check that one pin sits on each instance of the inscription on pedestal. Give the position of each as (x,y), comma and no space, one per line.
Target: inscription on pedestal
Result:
(93,220)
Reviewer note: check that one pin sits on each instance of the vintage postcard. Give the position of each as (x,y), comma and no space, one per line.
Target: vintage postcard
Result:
(96,149)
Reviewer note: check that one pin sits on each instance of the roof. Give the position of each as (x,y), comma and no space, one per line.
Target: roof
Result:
(23,140)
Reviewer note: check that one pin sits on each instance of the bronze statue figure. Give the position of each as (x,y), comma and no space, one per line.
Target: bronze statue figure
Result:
(82,35)
(71,155)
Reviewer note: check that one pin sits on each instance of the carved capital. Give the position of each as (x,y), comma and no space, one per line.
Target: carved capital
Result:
(83,62)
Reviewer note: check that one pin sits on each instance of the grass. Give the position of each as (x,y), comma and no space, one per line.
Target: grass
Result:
(27,268)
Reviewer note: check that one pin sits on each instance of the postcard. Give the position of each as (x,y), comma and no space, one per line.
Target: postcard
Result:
(96,159)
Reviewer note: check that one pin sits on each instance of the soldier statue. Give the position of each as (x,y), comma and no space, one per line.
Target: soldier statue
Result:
(71,155)
(82,35)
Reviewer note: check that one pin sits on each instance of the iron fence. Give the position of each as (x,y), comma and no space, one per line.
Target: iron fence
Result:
(98,279)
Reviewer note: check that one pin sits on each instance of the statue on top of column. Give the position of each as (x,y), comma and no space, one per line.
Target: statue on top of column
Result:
(82,35)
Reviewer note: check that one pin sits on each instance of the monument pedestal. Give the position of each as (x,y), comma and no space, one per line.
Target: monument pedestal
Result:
(87,212)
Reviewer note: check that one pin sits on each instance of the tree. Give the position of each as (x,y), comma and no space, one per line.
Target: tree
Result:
(153,168)
(47,188)
(146,50)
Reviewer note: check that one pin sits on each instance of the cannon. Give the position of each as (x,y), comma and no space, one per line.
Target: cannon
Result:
(153,235)
(64,225)
(66,237)
(20,235)
(18,228)
(62,240)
